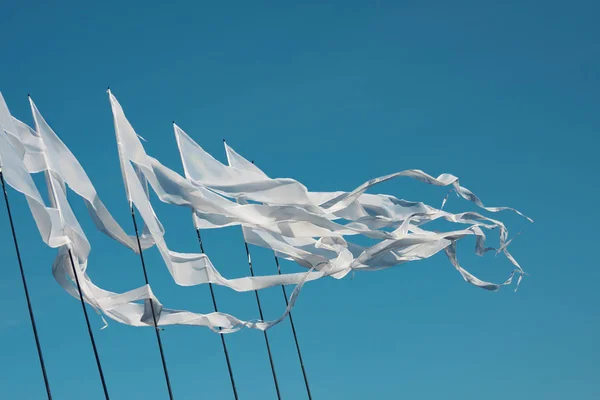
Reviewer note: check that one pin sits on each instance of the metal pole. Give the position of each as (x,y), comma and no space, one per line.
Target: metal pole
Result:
(87,321)
(294,332)
(160,347)
(212,294)
(262,318)
(31,317)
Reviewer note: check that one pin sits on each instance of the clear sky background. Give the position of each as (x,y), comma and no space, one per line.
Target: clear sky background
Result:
(503,95)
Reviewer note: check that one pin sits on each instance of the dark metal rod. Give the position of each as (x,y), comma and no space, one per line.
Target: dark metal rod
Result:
(262,318)
(294,332)
(31,317)
(89,327)
(212,294)
(160,347)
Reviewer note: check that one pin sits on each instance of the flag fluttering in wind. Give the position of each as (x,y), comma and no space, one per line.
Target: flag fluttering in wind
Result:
(313,229)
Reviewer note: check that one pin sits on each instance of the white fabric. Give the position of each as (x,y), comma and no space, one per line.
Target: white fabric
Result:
(187,268)
(378,211)
(59,228)
(367,211)
(202,169)
(383,207)
(44,151)
(286,220)
(297,224)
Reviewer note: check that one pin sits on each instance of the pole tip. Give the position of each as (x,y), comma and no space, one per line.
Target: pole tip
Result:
(223,140)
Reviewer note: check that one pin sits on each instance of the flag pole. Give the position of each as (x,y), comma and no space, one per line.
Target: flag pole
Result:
(156,329)
(262,318)
(87,319)
(261,314)
(212,294)
(89,327)
(210,285)
(294,332)
(31,317)
(293,328)
(137,236)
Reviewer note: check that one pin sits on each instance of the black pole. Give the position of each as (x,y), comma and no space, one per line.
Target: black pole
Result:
(31,317)
(291,323)
(87,319)
(212,294)
(262,318)
(160,347)
(89,327)
(294,332)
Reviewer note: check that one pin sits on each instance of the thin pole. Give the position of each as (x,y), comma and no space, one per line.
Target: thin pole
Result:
(291,322)
(294,332)
(31,317)
(262,318)
(160,347)
(87,319)
(89,327)
(212,294)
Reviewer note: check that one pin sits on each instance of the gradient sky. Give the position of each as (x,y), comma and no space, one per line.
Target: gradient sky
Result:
(503,95)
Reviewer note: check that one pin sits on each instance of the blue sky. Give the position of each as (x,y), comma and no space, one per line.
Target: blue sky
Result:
(502,94)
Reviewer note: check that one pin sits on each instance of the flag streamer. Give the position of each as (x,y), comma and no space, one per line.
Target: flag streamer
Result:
(314,229)
(57,195)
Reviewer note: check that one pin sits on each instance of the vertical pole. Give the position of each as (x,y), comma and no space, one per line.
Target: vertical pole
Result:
(294,332)
(291,323)
(160,347)
(89,327)
(31,317)
(212,294)
(75,274)
(262,318)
